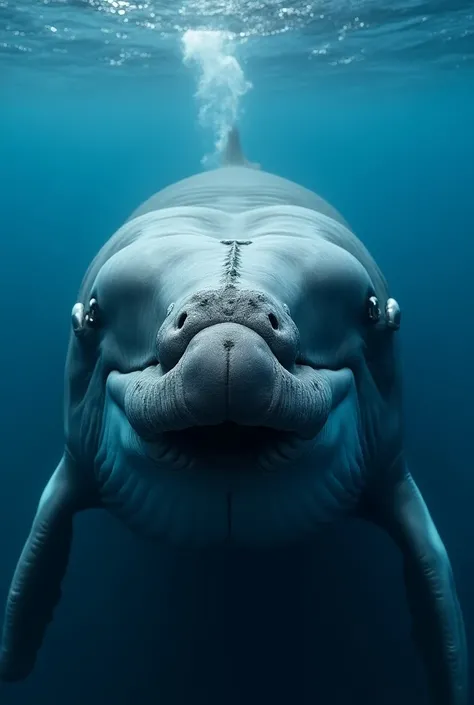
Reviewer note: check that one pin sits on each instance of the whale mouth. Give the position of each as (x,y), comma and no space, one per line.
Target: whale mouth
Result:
(234,446)
(227,438)
(228,397)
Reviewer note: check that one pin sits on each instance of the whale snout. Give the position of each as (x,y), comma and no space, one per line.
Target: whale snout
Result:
(250,309)
(229,373)
(228,356)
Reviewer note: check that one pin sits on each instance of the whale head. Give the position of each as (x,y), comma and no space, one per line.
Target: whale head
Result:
(232,389)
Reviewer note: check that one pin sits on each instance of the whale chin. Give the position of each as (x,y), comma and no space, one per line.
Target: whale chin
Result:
(211,483)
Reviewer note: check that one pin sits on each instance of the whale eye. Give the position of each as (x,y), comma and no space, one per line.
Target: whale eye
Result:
(92,316)
(392,312)
(373,309)
(82,320)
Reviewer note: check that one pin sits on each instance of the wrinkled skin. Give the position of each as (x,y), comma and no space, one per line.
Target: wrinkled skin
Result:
(233,388)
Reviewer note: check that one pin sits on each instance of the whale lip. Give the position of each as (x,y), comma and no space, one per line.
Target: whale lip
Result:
(250,406)
(184,445)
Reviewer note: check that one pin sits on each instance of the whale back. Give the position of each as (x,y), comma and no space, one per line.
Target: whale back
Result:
(234,189)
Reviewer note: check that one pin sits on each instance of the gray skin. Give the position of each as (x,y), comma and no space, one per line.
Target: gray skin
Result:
(231,387)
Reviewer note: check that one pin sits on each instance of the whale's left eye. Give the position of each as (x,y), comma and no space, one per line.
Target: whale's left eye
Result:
(82,320)
(392,312)
(373,309)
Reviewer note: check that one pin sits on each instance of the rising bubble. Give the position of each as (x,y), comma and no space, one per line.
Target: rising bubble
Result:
(221,82)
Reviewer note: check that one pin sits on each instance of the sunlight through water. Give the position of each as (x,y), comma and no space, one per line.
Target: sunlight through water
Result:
(297,38)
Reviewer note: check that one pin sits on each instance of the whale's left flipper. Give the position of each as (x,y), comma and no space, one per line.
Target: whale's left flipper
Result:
(438,626)
(36,586)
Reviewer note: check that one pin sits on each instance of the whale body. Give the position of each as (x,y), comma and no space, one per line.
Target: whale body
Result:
(233,378)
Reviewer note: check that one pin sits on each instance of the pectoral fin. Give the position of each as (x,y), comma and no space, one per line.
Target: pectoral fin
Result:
(36,586)
(436,615)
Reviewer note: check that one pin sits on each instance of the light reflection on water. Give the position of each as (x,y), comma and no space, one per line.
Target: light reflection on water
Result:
(305,38)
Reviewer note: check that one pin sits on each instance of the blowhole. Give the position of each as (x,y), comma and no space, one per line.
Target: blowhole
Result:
(273,321)
(182,318)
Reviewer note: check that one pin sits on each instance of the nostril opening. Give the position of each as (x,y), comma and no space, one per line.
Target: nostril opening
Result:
(273,320)
(182,319)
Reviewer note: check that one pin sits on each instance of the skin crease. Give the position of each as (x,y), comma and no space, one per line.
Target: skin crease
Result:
(232,388)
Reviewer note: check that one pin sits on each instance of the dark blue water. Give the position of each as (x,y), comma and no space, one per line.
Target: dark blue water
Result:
(393,150)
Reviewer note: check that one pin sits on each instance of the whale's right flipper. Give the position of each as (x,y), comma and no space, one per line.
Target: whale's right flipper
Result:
(36,586)
(438,626)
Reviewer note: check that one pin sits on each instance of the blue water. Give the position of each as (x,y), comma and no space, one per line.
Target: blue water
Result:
(371,105)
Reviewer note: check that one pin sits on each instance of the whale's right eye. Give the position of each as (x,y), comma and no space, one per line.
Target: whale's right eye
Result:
(83,321)
(92,315)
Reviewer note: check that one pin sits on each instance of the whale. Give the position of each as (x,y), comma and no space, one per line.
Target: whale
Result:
(233,379)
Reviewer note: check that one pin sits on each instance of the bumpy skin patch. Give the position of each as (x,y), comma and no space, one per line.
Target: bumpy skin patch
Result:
(233,261)
(199,410)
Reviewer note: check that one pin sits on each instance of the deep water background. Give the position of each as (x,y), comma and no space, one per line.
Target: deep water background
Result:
(142,624)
